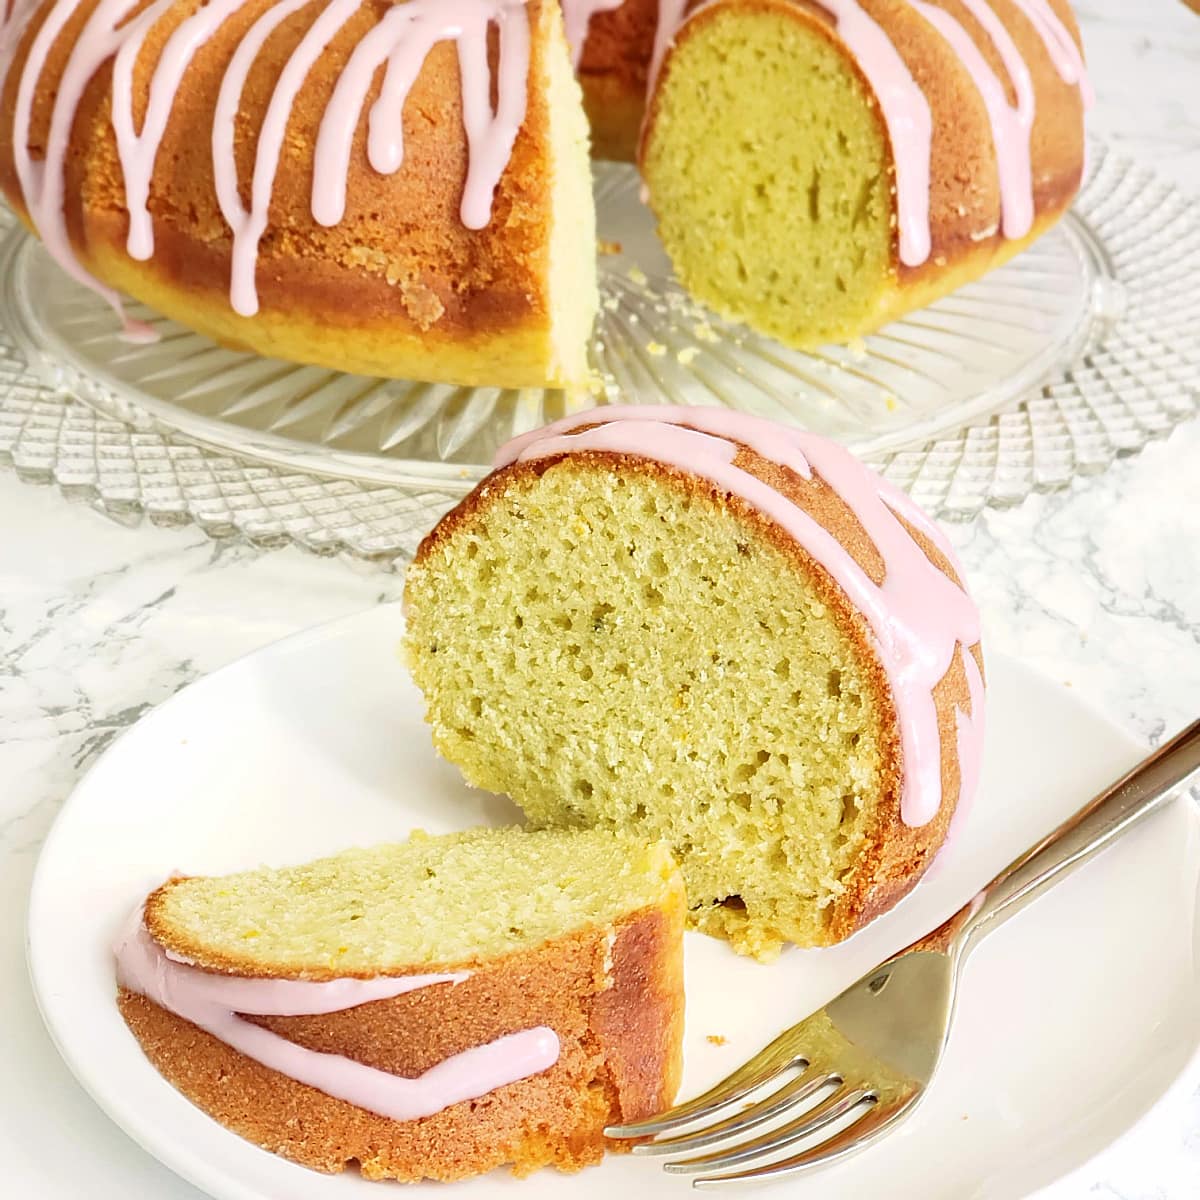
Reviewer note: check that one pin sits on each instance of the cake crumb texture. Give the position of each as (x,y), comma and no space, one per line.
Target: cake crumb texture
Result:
(390,909)
(617,644)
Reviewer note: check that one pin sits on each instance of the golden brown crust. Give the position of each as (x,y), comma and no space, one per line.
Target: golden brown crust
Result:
(896,855)
(620,1032)
(400,286)
(966,238)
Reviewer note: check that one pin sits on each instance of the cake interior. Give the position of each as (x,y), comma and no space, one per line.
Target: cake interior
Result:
(764,137)
(617,648)
(430,901)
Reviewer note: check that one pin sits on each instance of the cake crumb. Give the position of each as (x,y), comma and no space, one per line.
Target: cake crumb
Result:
(637,275)
(604,246)
(717,1039)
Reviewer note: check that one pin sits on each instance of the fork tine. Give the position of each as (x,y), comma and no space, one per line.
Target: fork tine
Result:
(837,1106)
(864,1130)
(769,1062)
(792,1093)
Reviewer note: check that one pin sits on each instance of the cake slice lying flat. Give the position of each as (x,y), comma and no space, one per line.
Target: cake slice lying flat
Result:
(429,1009)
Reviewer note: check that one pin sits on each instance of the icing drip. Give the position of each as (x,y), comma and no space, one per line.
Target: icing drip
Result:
(43,184)
(906,115)
(137,151)
(919,618)
(213,1002)
(490,136)
(577,16)
(249,225)
(1060,45)
(13,16)
(1011,127)
(402,39)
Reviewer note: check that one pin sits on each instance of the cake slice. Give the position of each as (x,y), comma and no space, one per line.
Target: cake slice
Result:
(869,156)
(707,628)
(428,1009)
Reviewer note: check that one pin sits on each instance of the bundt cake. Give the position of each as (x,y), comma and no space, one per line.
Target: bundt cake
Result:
(402,188)
(704,627)
(431,1009)
(327,182)
(819,167)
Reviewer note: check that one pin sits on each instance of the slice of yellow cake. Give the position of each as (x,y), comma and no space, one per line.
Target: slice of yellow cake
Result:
(820,167)
(429,1009)
(704,627)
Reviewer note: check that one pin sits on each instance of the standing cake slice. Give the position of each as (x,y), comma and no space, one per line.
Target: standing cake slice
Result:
(701,626)
(430,1009)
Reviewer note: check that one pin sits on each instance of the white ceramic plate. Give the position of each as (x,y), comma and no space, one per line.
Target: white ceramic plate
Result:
(1074,1019)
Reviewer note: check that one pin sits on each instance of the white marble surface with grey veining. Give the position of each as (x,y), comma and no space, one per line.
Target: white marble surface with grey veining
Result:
(1098,587)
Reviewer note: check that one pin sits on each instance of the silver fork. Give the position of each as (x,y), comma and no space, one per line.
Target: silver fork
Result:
(860,1065)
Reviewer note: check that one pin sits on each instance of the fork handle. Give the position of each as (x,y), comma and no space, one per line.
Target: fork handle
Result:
(1080,838)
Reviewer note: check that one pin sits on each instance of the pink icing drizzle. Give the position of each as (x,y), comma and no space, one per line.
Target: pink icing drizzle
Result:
(906,115)
(13,16)
(113,31)
(1011,127)
(43,183)
(138,151)
(577,16)
(213,1002)
(249,225)
(919,617)
(1060,45)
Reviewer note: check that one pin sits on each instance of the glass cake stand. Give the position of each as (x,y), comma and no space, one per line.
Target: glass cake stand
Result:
(1083,347)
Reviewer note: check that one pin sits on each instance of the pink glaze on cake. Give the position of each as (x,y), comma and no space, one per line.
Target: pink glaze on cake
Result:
(1011,127)
(116,31)
(906,115)
(919,618)
(212,1002)
(577,17)
(1060,45)
(43,182)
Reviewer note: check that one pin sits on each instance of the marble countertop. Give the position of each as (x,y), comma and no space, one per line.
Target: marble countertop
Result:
(1098,587)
